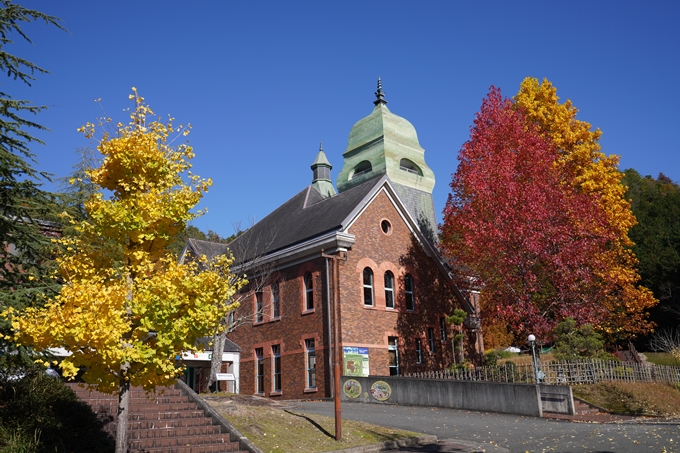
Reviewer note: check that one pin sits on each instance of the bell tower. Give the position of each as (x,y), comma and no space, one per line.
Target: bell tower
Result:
(386,144)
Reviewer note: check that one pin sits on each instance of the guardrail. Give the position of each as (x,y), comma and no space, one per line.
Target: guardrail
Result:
(569,372)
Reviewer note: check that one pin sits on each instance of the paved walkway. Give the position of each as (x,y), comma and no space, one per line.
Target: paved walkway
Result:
(467,431)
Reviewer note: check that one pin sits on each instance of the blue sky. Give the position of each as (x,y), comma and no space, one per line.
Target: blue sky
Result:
(262,83)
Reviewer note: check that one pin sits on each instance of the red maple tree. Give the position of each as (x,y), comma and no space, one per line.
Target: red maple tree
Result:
(514,222)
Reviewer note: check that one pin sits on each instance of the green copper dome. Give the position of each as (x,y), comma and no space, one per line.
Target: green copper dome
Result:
(385,143)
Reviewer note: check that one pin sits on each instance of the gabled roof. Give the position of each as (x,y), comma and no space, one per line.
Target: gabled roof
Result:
(199,247)
(305,222)
(305,216)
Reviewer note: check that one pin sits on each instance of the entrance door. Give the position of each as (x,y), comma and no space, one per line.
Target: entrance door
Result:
(190,377)
(393,355)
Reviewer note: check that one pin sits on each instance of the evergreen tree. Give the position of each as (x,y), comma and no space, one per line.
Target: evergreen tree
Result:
(656,205)
(25,207)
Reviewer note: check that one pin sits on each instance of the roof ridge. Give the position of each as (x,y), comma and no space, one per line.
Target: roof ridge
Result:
(304,204)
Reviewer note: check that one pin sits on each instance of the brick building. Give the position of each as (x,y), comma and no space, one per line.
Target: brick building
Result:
(393,289)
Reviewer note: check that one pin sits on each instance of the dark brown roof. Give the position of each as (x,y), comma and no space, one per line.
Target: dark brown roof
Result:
(207,248)
(305,216)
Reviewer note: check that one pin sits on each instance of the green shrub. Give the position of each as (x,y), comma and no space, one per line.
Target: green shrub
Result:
(39,413)
(578,342)
(492,357)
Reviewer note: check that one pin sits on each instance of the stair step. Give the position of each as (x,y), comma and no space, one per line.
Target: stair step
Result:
(173,431)
(184,441)
(161,422)
(169,423)
(585,409)
(215,448)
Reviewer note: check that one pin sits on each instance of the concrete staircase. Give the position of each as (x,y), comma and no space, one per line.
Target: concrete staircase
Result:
(582,408)
(588,413)
(165,422)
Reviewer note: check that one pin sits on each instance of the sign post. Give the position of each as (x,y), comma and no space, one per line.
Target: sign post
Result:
(337,353)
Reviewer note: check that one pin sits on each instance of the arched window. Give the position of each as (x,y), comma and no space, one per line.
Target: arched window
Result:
(389,289)
(368,286)
(363,167)
(309,291)
(408,292)
(408,166)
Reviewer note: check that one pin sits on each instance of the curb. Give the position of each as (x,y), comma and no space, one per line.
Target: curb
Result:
(481,448)
(391,444)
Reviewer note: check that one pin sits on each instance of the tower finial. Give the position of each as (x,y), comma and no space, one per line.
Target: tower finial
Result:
(321,146)
(380,96)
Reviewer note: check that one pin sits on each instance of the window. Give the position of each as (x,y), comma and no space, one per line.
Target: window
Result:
(259,370)
(363,167)
(276,301)
(408,292)
(311,364)
(368,286)
(442,328)
(386,226)
(419,351)
(309,291)
(258,307)
(393,355)
(430,338)
(389,289)
(408,166)
(276,367)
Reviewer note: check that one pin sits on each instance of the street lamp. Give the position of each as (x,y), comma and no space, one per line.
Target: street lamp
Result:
(538,374)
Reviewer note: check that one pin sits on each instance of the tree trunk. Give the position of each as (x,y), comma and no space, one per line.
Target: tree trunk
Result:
(122,415)
(216,360)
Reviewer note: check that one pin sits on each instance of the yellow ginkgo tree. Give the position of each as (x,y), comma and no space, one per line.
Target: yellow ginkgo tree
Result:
(594,172)
(127,309)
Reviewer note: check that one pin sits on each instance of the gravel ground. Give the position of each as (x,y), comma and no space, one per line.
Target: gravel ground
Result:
(517,434)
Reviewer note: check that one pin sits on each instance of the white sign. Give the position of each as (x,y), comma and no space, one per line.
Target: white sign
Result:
(225,377)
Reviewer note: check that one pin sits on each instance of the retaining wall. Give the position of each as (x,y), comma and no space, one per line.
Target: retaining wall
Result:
(509,398)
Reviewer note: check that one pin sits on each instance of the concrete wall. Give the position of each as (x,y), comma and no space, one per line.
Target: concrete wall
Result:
(557,398)
(521,399)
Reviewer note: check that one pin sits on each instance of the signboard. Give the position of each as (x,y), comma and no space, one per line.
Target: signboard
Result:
(355,361)
(224,377)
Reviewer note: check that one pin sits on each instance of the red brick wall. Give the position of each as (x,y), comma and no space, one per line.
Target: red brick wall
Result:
(289,331)
(362,326)
(399,252)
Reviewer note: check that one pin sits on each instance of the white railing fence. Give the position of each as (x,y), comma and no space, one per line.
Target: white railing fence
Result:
(586,371)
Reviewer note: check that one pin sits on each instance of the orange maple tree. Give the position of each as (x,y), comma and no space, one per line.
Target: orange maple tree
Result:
(580,154)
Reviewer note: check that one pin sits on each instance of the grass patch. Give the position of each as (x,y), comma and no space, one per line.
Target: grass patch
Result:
(662,358)
(633,398)
(277,430)
(525,359)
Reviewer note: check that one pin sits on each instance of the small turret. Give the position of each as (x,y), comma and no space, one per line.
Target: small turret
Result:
(321,169)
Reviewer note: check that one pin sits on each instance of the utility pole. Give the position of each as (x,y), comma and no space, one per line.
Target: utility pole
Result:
(337,354)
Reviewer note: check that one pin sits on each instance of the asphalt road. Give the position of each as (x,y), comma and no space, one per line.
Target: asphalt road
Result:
(517,434)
